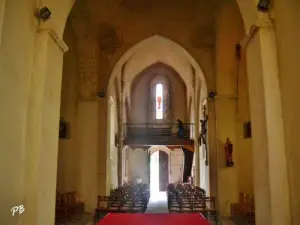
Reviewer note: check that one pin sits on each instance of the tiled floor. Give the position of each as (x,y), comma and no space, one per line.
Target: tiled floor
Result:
(158,203)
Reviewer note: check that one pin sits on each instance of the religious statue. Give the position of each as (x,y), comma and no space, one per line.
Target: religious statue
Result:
(203,133)
(180,127)
(228,152)
(203,137)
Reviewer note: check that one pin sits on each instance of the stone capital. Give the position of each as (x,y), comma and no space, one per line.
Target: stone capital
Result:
(263,21)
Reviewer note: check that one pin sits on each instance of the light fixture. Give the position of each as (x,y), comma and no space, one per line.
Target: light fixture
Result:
(43,14)
(212,94)
(101,94)
(263,5)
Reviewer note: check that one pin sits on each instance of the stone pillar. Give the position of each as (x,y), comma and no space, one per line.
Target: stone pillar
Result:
(122,112)
(212,151)
(42,133)
(2,12)
(271,185)
(119,101)
(196,87)
(91,120)
(91,156)
(15,77)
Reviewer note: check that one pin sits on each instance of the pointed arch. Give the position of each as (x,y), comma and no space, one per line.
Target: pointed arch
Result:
(153,50)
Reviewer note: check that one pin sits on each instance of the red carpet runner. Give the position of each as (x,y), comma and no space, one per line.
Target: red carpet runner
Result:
(153,219)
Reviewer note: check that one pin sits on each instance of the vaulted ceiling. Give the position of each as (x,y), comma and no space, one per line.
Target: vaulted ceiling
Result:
(123,23)
(119,25)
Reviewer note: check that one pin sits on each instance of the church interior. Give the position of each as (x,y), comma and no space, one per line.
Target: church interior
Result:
(138,112)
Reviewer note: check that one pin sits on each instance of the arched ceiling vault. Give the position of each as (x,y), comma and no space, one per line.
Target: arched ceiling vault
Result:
(153,50)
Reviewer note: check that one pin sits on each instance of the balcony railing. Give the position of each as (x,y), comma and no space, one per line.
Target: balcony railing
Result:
(155,131)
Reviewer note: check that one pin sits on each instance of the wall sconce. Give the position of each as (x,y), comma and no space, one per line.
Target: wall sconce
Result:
(247,130)
(263,5)
(212,94)
(64,128)
(101,94)
(116,140)
(43,14)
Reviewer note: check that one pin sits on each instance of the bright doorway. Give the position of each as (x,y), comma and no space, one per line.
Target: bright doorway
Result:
(159,175)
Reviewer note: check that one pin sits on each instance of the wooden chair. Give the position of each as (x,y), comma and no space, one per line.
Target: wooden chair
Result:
(62,212)
(237,209)
(186,203)
(101,209)
(249,210)
(199,206)
(76,205)
(114,204)
(174,205)
(211,211)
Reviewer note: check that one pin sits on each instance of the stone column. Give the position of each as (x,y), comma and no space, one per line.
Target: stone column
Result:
(119,101)
(271,185)
(2,12)
(91,120)
(89,151)
(212,151)
(42,133)
(196,88)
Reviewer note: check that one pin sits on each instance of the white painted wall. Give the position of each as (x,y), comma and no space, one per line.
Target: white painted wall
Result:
(138,165)
(177,165)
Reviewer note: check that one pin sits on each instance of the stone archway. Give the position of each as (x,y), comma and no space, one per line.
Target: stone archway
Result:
(35,134)
(151,46)
(164,167)
(158,148)
(151,51)
(258,103)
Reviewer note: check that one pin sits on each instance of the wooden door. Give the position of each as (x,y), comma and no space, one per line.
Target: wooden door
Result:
(163,171)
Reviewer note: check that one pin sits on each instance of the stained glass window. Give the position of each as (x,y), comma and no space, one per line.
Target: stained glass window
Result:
(159,101)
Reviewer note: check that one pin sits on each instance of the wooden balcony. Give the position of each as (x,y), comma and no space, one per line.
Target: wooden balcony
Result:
(150,134)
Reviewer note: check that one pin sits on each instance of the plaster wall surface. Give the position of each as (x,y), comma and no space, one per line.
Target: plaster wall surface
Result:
(287,35)
(141,100)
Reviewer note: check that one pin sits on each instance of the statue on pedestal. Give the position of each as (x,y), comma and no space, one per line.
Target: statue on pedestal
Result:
(228,151)
(203,136)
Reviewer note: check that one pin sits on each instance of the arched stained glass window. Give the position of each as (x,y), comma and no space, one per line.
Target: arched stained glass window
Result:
(159,101)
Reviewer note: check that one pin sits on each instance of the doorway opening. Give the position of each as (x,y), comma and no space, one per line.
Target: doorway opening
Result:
(159,175)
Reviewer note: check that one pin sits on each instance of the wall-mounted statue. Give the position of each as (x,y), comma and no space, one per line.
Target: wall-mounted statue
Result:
(203,136)
(228,151)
